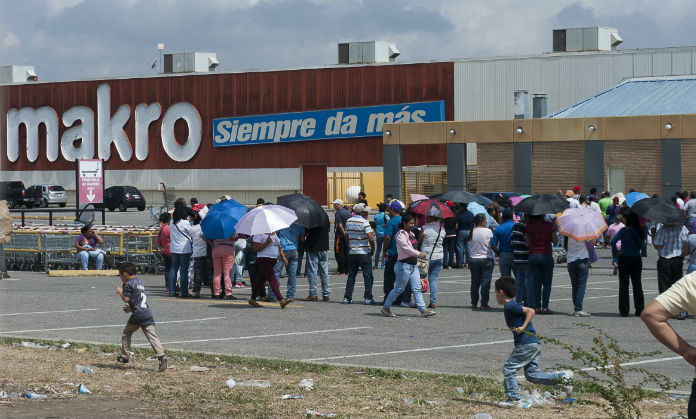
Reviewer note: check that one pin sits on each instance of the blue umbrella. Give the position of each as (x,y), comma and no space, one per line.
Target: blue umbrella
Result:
(634,197)
(221,219)
(476,208)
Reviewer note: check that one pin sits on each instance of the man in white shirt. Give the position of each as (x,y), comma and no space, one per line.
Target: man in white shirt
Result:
(361,242)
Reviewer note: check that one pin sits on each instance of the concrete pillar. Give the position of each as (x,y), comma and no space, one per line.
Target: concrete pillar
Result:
(523,168)
(594,166)
(671,168)
(392,170)
(456,167)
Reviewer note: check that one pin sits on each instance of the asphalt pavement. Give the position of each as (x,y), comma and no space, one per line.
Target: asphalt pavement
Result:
(456,340)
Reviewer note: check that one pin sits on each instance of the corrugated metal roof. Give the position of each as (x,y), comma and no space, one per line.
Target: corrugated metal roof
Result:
(638,96)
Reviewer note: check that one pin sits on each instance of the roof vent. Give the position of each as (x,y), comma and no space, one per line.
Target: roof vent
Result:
(190,62)
(370,52)
(586,39)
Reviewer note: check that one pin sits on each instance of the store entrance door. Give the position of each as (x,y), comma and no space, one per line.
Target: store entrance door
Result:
(314,182)
(617,180)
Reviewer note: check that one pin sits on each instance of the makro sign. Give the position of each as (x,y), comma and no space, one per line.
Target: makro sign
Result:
(320,125)
(78,140)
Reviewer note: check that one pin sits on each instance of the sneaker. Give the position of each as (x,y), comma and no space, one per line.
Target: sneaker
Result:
(239,285)
(581,313)
(387,313)
(122,359)
(310,298)
(616,271)
(326,298)
(427,313)
(511,404)
(162,363)
(369,301)
(230,297)
(346,301)
(485,308)
(431,305)
(566,380)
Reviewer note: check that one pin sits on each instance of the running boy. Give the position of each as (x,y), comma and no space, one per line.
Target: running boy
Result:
(527,346)
(133,293)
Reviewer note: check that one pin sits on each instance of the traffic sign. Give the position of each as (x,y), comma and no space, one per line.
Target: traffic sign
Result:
(90,182)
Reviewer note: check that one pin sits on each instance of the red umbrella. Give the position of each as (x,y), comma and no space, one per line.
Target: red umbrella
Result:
(432,208)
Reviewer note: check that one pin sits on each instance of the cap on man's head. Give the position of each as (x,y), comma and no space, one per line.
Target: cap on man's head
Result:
(576,188)
(450,204)
(360,207)
(396,206)
(507,214)
(337,202)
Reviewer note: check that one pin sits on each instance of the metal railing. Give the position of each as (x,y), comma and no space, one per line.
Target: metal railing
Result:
(50,211)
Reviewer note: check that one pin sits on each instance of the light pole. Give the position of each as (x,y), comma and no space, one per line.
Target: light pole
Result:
(160,47)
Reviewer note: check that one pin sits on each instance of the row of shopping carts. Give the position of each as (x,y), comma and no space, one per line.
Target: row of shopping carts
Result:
(39,250)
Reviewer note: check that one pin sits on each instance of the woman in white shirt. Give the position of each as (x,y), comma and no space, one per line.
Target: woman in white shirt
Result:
(431,237)
(267,248)
(481,262)
(181,246)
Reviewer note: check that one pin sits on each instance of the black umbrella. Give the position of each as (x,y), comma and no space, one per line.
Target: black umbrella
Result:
(462,197)
(542,204)
(309,212)
(656,209)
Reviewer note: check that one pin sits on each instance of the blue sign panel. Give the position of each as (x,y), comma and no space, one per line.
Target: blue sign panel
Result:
(320,125)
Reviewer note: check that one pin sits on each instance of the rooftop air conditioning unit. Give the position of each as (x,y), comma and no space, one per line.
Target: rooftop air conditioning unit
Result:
(370,52)
(586,39)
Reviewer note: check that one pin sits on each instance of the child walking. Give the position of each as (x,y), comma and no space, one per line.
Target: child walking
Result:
(133,293)
(527,346)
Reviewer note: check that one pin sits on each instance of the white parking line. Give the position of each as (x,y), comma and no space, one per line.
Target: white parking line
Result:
(647,361)
(49,312)
(262,336)
(603,296)
(106,325)
(467,345)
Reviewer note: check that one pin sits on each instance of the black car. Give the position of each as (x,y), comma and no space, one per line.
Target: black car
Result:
(123,197)
(16,195)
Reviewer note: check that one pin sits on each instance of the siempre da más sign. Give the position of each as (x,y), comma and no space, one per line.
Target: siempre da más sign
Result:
(320,125)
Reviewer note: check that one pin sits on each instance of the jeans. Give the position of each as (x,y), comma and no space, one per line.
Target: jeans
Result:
(522,279)
(265,273)
(364,262)
(541,276)
(200,270)
(505,263)
(630,266)
(449,248)
(379,256)
(223,259)
(180,263)
(669,271)
(85,256)
(291,270)
(167,267)
(463,244)
(527,357)
(406,274)
(318,264)
(481,273)
(578,270)
(433,275)
(389,275)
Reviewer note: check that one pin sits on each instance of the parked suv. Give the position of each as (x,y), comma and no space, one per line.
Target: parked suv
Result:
(123,197)
(16,195)
(51,194)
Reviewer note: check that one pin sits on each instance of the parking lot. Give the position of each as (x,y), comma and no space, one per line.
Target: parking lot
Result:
(456,340)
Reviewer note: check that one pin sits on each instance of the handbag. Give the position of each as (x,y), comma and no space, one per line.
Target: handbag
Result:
(424,264)
(591,253)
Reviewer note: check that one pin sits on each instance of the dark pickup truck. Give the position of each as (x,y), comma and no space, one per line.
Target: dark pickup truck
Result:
(16,195)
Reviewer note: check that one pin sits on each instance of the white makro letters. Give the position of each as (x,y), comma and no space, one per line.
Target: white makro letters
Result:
(110,130)
(188,113)
(83,132)
(32,118)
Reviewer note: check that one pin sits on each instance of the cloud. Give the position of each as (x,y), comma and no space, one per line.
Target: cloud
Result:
(68,39)
(55,7)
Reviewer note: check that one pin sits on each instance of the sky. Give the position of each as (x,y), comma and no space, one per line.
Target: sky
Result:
(85,39)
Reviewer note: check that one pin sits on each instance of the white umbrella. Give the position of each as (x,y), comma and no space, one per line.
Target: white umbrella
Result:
(581,223)
(621,197)
(266,219)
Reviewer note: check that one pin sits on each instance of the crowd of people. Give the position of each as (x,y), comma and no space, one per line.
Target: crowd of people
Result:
(522,246)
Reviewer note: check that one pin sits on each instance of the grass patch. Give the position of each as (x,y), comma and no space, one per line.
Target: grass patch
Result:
(344,391)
